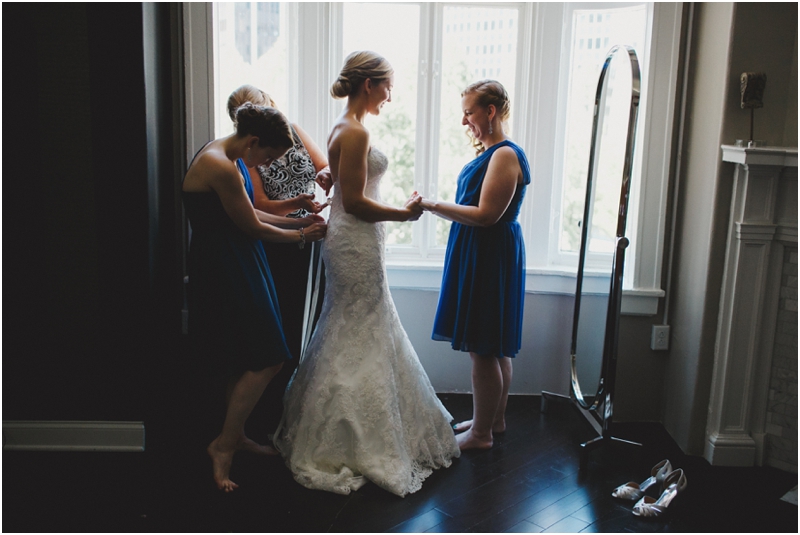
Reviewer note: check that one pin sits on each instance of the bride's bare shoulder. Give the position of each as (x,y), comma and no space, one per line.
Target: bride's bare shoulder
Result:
(348,132)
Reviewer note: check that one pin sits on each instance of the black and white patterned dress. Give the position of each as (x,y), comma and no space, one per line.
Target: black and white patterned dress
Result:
(286,178)
(290,176)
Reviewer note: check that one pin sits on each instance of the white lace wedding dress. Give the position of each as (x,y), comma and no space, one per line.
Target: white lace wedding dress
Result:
(360,406)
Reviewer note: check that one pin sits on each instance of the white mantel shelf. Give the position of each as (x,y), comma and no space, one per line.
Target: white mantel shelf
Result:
(774,156)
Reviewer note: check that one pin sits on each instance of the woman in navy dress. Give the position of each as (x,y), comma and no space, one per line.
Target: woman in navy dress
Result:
(234,317)
(285,188)
(483,286)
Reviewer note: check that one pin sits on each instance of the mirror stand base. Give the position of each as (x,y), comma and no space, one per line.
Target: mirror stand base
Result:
(591,445)
(595,420)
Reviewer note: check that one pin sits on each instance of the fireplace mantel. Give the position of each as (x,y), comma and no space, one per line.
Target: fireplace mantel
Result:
(771,156)
(763,221)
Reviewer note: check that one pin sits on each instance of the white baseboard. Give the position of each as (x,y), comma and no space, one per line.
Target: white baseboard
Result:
(73,436)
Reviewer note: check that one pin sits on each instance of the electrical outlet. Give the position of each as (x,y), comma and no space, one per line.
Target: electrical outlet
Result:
(659,338)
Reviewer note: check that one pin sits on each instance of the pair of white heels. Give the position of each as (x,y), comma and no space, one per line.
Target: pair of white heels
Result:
(670,483)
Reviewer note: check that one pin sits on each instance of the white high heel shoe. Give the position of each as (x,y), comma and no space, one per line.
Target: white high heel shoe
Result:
(651,507)
(633,491)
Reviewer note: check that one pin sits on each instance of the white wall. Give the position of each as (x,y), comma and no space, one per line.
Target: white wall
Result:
(543,361)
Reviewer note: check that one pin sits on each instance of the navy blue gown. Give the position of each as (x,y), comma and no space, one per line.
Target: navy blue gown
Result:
(234,318)
(483,285)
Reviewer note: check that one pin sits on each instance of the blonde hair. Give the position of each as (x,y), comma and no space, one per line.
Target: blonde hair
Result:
(360,66)
(489,92)
(247,93)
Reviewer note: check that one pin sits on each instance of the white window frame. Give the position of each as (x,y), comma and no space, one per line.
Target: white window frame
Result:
(539,55)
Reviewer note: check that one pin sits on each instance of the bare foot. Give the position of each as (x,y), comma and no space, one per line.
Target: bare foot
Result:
(497,427)
(462,426)
(253,447)
(466,441)
(221,461)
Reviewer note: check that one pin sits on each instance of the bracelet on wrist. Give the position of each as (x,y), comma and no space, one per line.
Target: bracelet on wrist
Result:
(302,238)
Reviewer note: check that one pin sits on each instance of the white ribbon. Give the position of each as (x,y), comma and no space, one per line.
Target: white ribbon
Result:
(312,297)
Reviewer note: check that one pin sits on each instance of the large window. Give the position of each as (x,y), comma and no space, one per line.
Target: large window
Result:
(548,57)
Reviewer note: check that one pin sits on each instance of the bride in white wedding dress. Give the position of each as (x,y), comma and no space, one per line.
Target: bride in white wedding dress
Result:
(360,407)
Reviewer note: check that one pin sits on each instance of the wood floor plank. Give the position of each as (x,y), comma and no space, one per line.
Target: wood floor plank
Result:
(525,508)
(486,500)
(561,509)
(524,527)
(420,523)
(567,525)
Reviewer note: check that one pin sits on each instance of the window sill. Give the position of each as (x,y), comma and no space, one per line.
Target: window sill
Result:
(427,276)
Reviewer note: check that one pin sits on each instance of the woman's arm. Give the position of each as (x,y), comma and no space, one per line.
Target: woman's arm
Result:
(353,146)
(225,180)
(320,159)
(499,185)
(287,222)
(260,199)
(280,208)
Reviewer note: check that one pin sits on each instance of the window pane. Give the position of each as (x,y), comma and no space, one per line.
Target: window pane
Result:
(250,43)
(464,62)
(625,26)
(396,38)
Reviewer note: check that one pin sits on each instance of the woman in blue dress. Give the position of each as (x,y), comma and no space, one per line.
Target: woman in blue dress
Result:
(234,319)
(286,188)
(483,286)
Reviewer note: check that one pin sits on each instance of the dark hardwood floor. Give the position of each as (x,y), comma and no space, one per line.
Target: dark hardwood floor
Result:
(529,482)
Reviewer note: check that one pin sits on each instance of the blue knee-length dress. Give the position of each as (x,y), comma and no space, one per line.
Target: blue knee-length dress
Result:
(483,285)
(234,318)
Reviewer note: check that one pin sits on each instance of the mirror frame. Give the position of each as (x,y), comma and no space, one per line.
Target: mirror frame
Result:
(605,387)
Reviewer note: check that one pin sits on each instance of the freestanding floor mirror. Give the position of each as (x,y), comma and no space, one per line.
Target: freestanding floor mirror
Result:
(598,292)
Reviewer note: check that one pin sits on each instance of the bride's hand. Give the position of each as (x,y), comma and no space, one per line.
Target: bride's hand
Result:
(413,207)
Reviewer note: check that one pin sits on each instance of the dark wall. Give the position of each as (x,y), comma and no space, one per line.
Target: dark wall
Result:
(85,336)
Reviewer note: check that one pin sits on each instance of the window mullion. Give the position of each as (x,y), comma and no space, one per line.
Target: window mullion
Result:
(199,57)
(554,255)
(523,110)
(293,106)
(320,47)
(545,59)
(428,117)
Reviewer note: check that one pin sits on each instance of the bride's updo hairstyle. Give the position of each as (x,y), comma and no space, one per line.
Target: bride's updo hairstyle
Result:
(489,92)
(360,66)
(267,124)
(247,93)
